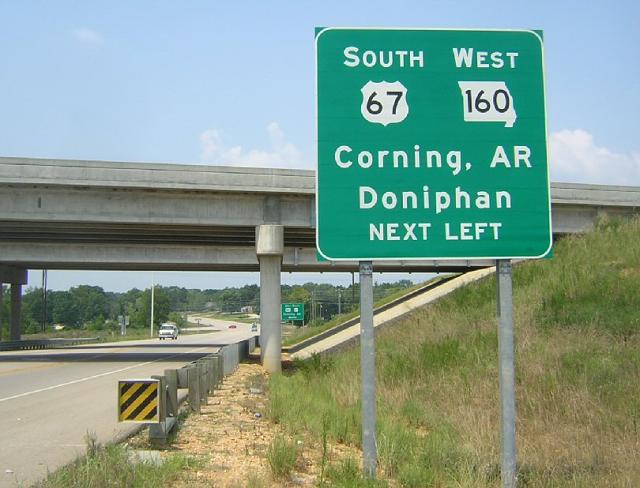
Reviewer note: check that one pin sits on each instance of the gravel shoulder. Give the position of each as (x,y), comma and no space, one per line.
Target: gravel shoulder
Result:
(231,437)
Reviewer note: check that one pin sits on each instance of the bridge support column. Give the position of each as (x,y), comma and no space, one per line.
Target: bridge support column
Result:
(16,309)
(1,309)
(269,248)
(17,277)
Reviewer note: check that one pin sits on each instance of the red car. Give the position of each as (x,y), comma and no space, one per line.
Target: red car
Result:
(233,326)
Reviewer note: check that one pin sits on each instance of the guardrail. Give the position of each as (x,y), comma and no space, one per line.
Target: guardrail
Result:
(200,378)
(382,308)
(45,343)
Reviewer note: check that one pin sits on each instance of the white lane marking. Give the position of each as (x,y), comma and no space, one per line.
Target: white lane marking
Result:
(80,380)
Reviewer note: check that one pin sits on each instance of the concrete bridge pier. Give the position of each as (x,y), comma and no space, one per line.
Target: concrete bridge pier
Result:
(270,248)
(1,309)
(16,309)
(16,277)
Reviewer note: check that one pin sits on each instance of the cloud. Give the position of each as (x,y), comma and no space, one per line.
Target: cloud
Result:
(282,154)
(573,154)
(576,158)
(89,36)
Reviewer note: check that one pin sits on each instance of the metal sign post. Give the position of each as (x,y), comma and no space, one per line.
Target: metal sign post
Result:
(507,372)
(368,367)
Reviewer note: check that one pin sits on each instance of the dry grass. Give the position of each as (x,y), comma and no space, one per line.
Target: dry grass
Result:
(578,371)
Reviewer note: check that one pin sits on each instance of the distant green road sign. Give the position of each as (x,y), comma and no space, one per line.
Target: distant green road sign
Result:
(431,144)
(292,311)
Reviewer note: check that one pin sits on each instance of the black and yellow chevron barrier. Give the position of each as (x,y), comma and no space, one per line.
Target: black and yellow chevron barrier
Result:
(138,401)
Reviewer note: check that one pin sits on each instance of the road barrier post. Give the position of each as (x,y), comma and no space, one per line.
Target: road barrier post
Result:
(183,380)
(220,369)
(171,376)
(212,373)
(202,371)
(158,432)
(206,377)
(194,387)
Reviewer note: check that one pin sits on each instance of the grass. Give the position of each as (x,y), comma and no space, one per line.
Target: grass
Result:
(577,330)
(305,333)
(346,474)
(111,466)
(255,481)
(282,455)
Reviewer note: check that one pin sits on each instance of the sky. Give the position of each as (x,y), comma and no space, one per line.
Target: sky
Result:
(232,83)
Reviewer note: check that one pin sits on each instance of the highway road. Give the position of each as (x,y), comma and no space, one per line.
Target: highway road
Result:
(51,399)
(211,322)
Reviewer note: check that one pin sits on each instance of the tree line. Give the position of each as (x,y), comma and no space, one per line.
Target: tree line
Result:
(91,307)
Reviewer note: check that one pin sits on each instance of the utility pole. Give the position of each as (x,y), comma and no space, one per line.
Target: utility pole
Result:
(339,301)
(44,300)
(152,300)
(353,289)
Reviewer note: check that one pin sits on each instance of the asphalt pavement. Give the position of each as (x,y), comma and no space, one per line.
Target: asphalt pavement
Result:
(50,400)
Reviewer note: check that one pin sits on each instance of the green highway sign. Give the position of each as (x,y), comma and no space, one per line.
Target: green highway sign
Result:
(431,144)
(292,311)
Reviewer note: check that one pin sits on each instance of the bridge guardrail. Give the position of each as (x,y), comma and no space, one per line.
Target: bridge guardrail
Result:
(45,343)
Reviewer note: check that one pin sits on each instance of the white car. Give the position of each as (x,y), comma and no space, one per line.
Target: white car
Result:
(168,331)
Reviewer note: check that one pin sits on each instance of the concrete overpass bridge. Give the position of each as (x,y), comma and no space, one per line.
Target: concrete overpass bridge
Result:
(62,214)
